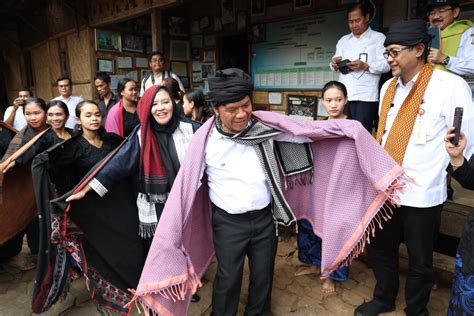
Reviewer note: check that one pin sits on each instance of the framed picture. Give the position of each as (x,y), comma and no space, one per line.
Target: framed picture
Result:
(204,22)
(179,50)
(179,68)
(196,65)
(124,62)
(108,41)
(303,107)
(228,11)
(141,62)
(133,43)
(256,33)
(196,54)
(144,73)
(208,70)
(105,65)
(197,76)
(114,79)
(209,55)
(178,26)
(257,7)
(301,4)
(133,74)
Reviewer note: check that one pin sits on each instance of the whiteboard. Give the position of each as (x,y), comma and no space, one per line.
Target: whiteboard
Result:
(297,52)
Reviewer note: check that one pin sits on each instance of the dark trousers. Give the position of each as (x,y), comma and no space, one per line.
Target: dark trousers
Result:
(418,229)
(364,112)
(235,237)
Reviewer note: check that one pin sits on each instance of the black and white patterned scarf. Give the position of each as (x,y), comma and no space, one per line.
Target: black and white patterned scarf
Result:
(293,159)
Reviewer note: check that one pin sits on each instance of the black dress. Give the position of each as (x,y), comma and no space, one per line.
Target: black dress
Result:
(102,239)
(130,120)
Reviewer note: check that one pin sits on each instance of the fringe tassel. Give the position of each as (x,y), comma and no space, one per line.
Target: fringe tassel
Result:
(383,215)
(147,230)
(175,292)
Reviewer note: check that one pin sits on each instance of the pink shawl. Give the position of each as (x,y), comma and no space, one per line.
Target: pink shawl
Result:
(114,120)
(353,178)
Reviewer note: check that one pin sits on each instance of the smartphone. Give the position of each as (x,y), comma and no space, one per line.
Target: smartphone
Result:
(435,34)
(457,125)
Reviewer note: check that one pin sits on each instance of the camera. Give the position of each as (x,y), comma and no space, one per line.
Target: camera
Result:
(21,102)
(342,66)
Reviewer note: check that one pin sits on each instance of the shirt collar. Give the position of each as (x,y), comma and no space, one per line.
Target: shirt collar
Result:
(409,83)
(363,35)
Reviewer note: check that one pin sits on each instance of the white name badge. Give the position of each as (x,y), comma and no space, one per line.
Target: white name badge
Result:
(419,132)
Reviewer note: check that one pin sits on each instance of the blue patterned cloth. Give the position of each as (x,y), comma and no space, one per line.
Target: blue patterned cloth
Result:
(461,302)
(309,250)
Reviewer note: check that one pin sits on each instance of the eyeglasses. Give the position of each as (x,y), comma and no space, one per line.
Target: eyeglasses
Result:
(393,52)
(441,10)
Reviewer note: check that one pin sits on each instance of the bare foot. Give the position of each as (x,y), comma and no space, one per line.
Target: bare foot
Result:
(328,286)
(304,270)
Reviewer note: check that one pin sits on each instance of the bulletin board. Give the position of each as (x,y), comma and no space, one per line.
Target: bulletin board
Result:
(297,52)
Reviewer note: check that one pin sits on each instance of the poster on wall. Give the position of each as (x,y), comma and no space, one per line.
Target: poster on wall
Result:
(228,11)
(296,52)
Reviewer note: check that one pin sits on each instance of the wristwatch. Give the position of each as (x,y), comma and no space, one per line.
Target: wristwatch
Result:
(446,61)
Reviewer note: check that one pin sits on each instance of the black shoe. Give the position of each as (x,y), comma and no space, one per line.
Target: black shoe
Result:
(196,298)
(373,308)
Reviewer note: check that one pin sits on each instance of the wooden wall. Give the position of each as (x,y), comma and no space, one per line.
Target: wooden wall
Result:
(13,67)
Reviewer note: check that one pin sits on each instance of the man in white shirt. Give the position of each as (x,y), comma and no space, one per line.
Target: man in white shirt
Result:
(242,200)
(457,49)
(416,110)
(65,90)
(158,73)
(363,48)
(14,113)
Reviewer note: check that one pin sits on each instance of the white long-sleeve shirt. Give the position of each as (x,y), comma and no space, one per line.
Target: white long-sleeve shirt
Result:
(71,103)
(363,85)
(463,62)
(426,159)
(236,179)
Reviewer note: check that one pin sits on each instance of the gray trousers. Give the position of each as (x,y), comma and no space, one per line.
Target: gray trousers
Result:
(236,236)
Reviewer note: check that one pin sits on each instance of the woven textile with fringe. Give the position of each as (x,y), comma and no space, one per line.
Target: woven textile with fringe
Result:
(347,162)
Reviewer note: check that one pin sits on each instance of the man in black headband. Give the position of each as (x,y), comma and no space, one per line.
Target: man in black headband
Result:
(416,110)
(243,206)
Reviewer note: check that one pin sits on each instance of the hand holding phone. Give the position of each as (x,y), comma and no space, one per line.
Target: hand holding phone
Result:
(457,125)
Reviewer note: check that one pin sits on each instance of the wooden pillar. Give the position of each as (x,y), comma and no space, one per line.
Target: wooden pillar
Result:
(156,30)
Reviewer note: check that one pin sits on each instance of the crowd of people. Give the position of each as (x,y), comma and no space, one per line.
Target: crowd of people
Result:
(109,191)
